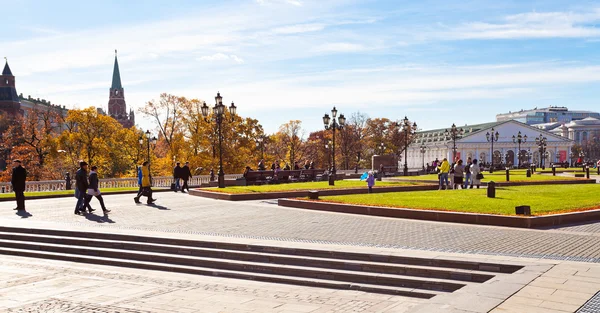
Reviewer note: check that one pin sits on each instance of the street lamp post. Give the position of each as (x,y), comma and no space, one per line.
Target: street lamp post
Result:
(148,141)
(541,143)
(260,143)
(454,133)
(218,114)
(519,139)
(333,124)
(328,148)
(409,130)
(381,149)
(493,137)
(423,149)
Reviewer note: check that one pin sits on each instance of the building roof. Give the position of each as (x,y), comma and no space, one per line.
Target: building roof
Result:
(6,70)
(548,109)
(438,135)
(116,79)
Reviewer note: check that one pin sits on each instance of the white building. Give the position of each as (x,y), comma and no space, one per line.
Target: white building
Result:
(581,132)
(474,144)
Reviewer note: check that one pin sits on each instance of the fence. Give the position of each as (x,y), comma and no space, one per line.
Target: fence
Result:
(161,181)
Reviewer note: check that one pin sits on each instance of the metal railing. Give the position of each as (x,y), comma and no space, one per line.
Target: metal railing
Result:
(131,182)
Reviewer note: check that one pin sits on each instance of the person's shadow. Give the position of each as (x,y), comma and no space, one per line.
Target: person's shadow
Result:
(24,214)
(99,219)
(160,207)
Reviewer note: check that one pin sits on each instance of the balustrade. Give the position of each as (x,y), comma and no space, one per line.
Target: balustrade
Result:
(131,182)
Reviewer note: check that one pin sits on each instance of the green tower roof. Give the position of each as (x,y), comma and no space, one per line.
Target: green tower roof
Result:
(116,79)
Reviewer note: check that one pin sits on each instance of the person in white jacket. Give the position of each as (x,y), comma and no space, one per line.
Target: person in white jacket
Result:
(475,174)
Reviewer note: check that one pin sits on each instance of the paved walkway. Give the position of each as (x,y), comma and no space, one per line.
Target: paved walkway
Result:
(29,285)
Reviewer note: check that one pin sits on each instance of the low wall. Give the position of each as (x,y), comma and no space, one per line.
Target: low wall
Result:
(304,193)
(446,216)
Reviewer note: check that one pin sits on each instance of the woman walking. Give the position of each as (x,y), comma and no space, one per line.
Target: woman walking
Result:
(476,175)
(459,171)
(94,191)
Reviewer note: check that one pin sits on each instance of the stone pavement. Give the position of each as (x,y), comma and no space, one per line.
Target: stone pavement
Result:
(549,283)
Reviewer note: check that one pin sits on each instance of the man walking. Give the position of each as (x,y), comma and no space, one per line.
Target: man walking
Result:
(19,175)
(81,183)
(186,174)
(177,174)
(146,184)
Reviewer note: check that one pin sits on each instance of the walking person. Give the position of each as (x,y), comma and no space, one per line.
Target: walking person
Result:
(19,175)
(467,173)
(476,175)
(371,181)
(186,174)
(444,169)
(459,171)
(177,173)
(94,191)
(81,187)
(146,184)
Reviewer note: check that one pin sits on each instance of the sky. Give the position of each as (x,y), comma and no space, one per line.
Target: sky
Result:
(436,62)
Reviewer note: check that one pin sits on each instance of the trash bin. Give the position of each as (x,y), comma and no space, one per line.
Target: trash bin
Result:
(491,190)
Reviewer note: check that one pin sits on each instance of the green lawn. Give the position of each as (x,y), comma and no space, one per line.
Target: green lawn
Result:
(498,176)
(339,184)
(60,192)
(542,199)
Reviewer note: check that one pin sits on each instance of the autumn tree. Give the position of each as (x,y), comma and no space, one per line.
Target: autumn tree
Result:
(167,114)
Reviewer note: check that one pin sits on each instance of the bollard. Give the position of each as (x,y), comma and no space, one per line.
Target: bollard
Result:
(528,172)
(598,168)
(553,170)
(587,172)
(313,195)
(67,181)
(491,190)
(507,175)
(331,180)
(523,209)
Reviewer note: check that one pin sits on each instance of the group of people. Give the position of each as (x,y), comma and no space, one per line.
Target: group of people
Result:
(87,187)
(459,175)
(182,174)
(277,166)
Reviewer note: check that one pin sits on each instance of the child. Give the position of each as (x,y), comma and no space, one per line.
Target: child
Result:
(371,181)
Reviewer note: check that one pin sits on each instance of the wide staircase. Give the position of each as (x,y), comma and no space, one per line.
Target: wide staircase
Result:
(395,275)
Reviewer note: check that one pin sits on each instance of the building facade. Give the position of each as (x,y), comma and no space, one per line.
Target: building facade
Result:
(551,114)
(117,107)
(474,144)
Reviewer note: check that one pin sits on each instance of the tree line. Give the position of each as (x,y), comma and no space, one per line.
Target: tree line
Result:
(50,144)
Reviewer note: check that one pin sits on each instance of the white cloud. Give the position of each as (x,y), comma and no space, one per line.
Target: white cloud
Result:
(531,25)
(340,47)
(221,57)
(300,28)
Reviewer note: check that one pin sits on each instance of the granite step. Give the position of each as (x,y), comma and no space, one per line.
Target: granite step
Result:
(272,250)
(298,271)
(197,270)
(261,257)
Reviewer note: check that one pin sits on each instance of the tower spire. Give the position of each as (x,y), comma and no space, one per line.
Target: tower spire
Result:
(6,70)
(116,79)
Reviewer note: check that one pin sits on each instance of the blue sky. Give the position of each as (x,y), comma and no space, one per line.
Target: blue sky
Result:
(438,62)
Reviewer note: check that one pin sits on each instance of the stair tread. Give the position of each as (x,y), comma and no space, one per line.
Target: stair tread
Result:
(299,280)
(455,271)
(436,281)
(442,263)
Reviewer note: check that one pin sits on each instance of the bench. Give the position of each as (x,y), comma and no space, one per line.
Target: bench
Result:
(310,175)
(258,177)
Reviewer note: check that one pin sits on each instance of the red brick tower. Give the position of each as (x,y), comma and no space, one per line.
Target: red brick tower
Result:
(9,100)
(117,108)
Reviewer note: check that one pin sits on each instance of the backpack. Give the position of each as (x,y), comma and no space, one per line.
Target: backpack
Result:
(468,168)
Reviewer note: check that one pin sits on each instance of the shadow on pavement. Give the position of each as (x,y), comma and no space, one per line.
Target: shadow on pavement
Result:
(24,214)
(160,207)
(98,218)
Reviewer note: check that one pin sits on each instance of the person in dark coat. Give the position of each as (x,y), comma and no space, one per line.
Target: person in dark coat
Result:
(19,175)
(81,187)
(94,191)
(177,173)
(186,174)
